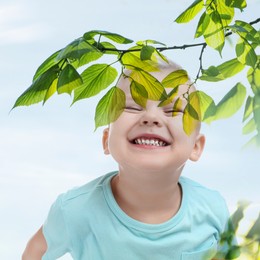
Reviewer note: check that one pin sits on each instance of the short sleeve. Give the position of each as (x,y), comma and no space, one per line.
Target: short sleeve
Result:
(55,232)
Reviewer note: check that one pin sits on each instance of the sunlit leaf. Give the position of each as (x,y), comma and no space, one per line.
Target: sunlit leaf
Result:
(69,79)
(233,252)
(222,71)
(240,4)
(201,25)
(144,43)
(245,30)
(254,232)
(147,52)
(253,76)
(139,93)
(39,88)
(132,60)
(190,12)
(231,103)
(95,78)
(76,49)
(226,13)
(190,119)
(238,215)
(248,108)
(170,97)
(249,127)
(47,64)
(245,53)
(107,48)
(110,107)
(206,106)
(112,36)
(213,31)
(52,89)
(256,111)
(153,87)
(175,78)
(253,142)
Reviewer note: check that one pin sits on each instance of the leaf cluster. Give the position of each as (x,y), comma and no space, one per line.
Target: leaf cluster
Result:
(60,72)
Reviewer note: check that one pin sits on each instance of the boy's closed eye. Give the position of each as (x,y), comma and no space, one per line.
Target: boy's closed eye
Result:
(133,108)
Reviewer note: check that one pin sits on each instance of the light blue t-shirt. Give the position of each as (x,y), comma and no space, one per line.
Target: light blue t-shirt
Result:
(88,223)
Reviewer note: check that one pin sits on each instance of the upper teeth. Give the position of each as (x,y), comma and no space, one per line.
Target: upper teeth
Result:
(154,142)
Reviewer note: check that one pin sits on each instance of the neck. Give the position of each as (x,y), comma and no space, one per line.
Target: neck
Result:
(149,197)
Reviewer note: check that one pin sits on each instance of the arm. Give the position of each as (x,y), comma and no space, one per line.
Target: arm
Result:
(36,247)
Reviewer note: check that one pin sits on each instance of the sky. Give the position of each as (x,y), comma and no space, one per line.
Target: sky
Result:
(46,150)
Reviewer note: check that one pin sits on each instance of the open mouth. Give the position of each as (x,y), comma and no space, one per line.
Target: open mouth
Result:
(149,141)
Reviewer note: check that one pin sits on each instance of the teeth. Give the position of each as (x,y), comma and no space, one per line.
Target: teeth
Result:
(153,142)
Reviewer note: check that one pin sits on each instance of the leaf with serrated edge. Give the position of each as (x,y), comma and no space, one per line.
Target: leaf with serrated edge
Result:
(52,89)
(175,78)
(68,80)
(232,102)
(153,87)
(248,108)
(249,127)
(112,36)
(95,78)
(190,12)
(110,107)
(246,53)
(138,93)
(37,91)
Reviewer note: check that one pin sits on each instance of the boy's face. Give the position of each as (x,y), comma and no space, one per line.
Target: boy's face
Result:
(151,138)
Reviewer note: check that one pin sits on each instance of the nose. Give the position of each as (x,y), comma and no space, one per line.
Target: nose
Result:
(150,119)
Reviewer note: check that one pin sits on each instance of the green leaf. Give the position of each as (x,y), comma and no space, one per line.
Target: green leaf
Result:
(153,87)
(190,119)
(253,76)
(237,216)
(47,64)
(112,36)
(147,52)
(103,46)
(52,89)
(76,49)
(139,93)
(39,88)
(201,25)
(246,53)
(249,127)
(240,4)
(253,142)
(206,107)
(248,108)
(190,12)
(254,232)
(213,31)
(256,111)
(144,43)
(245,30)
(170,97)
(231,103)
(222,71)
(110,107)
(95,78)
(175,78)
(69,79)
(132,59)
(226,13)
(233,252)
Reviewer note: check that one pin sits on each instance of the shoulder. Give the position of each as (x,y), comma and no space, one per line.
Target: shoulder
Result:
(85,191)
(204,200)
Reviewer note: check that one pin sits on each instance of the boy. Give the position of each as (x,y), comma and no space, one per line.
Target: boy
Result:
(145,210)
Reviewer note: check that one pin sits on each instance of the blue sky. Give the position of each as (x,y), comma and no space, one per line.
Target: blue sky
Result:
(46,150)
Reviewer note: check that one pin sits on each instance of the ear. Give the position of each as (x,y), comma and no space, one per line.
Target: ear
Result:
(105,141)
(198,148)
